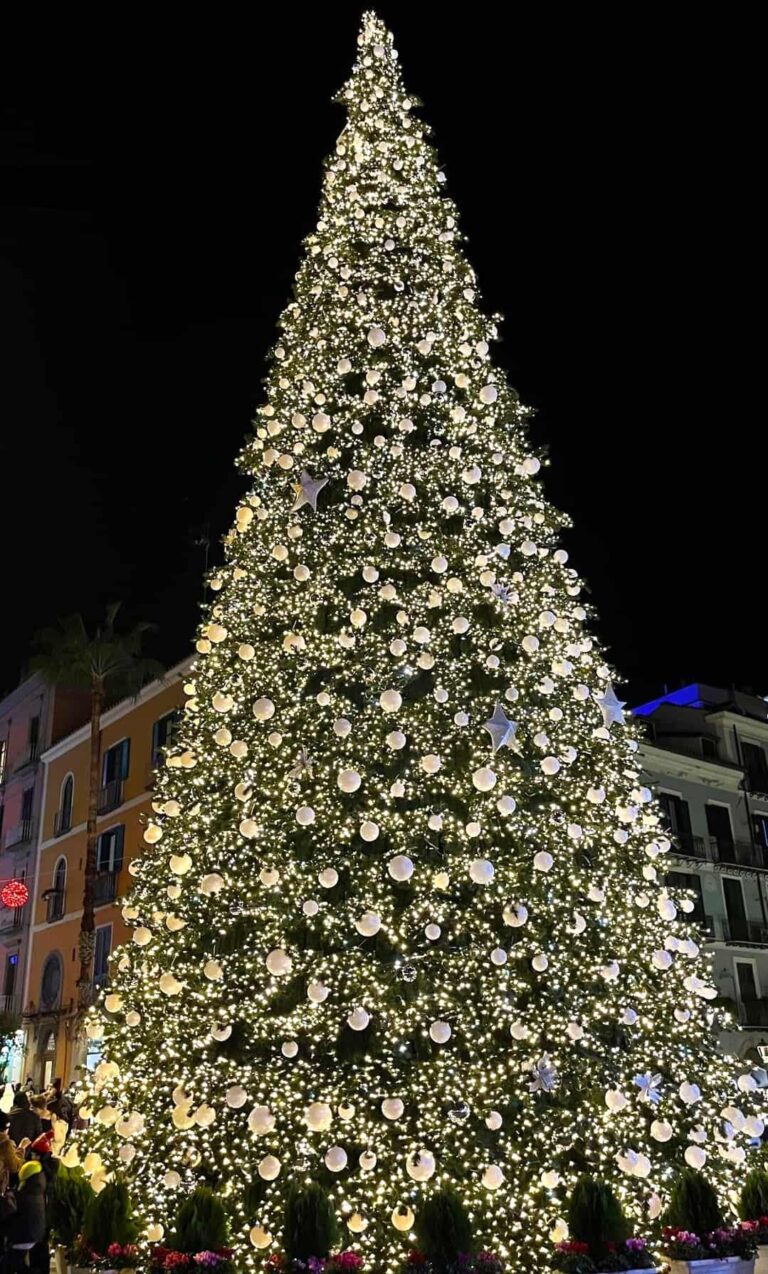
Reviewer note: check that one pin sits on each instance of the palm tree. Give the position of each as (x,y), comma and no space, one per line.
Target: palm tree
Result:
(110,666)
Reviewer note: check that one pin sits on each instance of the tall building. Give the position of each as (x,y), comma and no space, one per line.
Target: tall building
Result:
(133,736)
(706,757)
(32,717)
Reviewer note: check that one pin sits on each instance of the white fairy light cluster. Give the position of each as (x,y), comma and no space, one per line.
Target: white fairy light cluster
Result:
(402,921)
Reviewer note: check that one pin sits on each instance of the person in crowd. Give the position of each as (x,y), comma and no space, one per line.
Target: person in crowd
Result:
(39,1105)
(23,1123)
(27,1229)
(11,1159)
(60,1104)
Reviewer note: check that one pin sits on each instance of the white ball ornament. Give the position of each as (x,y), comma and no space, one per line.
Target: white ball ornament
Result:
(493,1120)
(392,1108)
(213,883)
(279,963)
(615,1100)
(171,1180)
(396,740)
(369,831)
(328,878)
(695,1157)
(493,1177)
(482,871)
(367,1161)
(342,727)
(260,1238)
(431,763)
(432,932)
(348,780)
(169,985)
(540,962)
(180,864)
(269,1168)
(550,765)
(400,868)
(318,1116)
(221,1033)
(263,709)
(235,1096)
(336,1159)
(249,828)
(358,1019)
(142,936)
(515,915)
(305,816)
(356,479)
(543,861)
(440,1032)
(390,700)
(689,1093)
(498,956)
(484,779)
(289,1048)
(420,1165)
(153,834)
(368,924)
(132,1018)
(213,971)
(661,1130)
(357,1223)
(402,1218)
(317,992)
(376,337)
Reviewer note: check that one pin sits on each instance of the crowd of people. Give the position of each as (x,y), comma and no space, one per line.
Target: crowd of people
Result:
(31,1135)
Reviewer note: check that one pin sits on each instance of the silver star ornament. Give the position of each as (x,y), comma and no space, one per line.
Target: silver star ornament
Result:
(307,490)
(611,708)
(501,729)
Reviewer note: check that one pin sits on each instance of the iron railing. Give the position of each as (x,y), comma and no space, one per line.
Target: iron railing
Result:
(110,796)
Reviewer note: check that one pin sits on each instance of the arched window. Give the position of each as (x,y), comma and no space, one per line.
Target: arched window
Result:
(56,895)
(64,813)
(50,983)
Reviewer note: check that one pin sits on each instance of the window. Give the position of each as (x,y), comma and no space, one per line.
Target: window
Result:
(687,880)
(101,955)
(733,892)
(33,738)
(115,763)
(709,748)
(26,805)
(109,851)
(678,819)
(756,766)
(720,829)
(56,895)
(760,825)
(746,980)
(48,1059)
(11,968)
(64,815)
(163,733)
(50,984)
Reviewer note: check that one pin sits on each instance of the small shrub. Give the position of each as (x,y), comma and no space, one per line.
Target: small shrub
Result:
(109,1219)
(70,1197)
(310,1223)
(443,1227)
(754,1196)
(693,1204)
(595,1216)
(201,1222)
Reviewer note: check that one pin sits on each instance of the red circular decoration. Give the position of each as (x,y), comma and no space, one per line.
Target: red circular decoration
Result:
(14,893)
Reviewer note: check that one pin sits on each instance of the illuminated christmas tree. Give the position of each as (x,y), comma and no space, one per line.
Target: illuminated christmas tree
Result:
(402,924)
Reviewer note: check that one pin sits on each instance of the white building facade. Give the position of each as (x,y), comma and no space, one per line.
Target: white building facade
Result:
(706,758)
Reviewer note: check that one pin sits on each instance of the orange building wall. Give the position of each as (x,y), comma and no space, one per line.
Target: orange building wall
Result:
(61,935)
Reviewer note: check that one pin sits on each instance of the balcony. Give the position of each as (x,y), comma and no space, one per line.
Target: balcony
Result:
(29,757)
(709,849)
(12,919)
(753,1013)
(105,887)
(10,1004)
(62,822)
(110,796)
(744,933)
(55,904)
(21,834)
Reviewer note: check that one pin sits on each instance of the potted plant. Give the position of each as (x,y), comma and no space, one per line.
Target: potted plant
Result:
(199,1239)
(418,1262)
(754,1210)
(70,1197)
(600,1235)
(695,1239)
(109,1225)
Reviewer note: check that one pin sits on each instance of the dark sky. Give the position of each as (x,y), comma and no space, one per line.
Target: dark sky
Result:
(157,182)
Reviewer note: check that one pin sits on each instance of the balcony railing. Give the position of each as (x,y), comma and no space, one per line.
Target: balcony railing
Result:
(10,1004)
(110,796)
(753,1012)
(29,757)
(55,900)
(711,850)
(21,834)
(62,822)
(105,887)
(740,932)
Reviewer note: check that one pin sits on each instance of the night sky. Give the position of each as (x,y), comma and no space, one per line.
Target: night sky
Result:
(157,183)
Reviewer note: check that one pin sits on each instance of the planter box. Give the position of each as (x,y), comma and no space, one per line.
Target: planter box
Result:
(724,1265)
